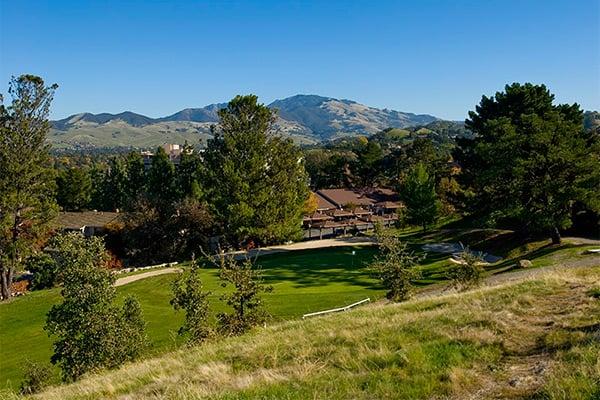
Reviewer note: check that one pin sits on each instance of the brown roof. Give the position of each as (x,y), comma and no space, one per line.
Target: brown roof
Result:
(342,197)
(361,211)
(342,213)
(323,203)
(77,220)
(389,204)
(360,197)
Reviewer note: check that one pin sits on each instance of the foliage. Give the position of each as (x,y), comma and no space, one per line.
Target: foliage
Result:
(329,168)
(395,266)
(27,205)
(161,187)
(189,295)
(91,332)
(153,235)
(247,305)
(530,160)
(74,189)
(44,270)
(36,377)
(255,181)
(468,271)
(189,173)
(419,195)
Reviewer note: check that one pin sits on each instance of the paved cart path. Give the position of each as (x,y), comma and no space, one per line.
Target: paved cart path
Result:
(144,275)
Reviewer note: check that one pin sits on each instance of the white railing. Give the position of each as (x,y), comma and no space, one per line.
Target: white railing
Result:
(346,308)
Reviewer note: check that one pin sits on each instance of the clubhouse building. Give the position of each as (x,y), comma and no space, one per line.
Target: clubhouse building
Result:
(343,211)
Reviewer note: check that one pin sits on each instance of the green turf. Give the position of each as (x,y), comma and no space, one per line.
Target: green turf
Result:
(303,281)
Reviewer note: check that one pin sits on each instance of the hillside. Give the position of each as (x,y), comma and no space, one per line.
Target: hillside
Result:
(305,118)
(528,338)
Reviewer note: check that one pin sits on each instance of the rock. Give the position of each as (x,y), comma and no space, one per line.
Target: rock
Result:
(524,264)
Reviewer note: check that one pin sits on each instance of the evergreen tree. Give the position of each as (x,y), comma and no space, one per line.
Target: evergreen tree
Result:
(91,332)
(189,172)
(136,179)
(115,185)
(255,181)
(530,160)
(162,189)
(190,296)
(248,309)
(74,189)
(27,198)
(419,195)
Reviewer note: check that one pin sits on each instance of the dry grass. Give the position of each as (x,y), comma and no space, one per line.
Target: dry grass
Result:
(528,339)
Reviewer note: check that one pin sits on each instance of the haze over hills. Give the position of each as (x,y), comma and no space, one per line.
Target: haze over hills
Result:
(305,118)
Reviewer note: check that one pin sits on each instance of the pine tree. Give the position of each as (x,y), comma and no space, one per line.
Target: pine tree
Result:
(27,199)
(74,189)
(254,180)
(530,160)
(189,295)
(248,308)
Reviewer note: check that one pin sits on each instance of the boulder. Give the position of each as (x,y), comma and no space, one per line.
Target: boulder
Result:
(524,264)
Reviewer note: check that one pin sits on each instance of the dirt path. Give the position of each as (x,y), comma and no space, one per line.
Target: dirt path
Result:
(144,275)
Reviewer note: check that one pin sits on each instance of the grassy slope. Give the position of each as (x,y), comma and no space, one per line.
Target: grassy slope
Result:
(532,339)
(303,281)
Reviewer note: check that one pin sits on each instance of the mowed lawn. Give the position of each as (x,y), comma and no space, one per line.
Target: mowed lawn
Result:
(303,281)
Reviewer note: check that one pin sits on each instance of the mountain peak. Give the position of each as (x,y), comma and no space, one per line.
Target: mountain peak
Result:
(307,116)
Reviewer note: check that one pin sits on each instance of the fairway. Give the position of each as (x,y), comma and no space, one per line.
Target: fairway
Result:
(303,281)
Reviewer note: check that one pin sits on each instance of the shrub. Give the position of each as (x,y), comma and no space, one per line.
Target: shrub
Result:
(92,333)
(395,266)
(44,270)
(36,377)
(468,271)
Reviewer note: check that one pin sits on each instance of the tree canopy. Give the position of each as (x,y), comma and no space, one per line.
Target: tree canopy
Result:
(530,160)
(255,181)
(27,203)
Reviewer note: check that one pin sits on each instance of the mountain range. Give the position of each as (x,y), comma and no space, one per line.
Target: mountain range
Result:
(305,118)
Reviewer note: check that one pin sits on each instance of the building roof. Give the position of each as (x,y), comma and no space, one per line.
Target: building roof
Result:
(77,220)
(342,213)
(389,204)
(323,203)
(360,197)
(317,217)
(361,211)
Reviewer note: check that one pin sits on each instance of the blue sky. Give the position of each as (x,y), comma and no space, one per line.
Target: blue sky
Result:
(436,57)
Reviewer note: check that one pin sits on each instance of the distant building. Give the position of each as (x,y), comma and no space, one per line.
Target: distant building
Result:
(340,211)
(89,223)
(173,151)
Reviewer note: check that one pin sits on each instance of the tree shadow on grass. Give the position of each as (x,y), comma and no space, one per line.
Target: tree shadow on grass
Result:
(323,267)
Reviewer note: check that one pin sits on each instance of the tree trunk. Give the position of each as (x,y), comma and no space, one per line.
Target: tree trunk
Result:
(5,282)
(556,239)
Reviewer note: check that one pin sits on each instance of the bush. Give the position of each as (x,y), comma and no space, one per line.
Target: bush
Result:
(44,270)
(36,377)
(395,266)
(468,271)
(92,333)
